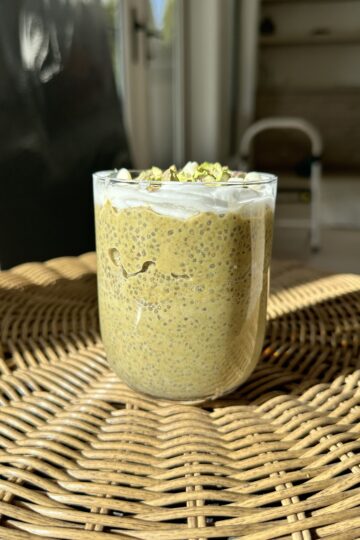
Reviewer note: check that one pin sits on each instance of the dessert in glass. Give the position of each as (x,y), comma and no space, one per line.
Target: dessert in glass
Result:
(183,268)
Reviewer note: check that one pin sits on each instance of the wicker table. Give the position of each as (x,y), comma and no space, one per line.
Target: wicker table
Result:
(84,457)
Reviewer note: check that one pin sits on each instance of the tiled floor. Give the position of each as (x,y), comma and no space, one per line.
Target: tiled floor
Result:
(340,250)
(340,217)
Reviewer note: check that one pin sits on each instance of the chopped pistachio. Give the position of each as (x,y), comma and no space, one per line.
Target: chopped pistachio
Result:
(192,172)
(151,174)
(169,174)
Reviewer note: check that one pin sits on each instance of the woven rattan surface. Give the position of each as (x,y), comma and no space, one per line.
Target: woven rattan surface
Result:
(84,457)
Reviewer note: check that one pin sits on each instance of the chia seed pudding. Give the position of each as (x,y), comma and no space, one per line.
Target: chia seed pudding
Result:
(183,259)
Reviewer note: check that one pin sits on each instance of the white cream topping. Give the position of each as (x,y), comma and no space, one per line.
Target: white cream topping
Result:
(182,200)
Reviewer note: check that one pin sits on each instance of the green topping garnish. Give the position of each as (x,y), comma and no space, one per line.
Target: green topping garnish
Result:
(192,172)
(212,172)
(170,174)
(154,174)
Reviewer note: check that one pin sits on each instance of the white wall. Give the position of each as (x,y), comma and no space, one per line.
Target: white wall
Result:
(160,95)
(208,78)
(246,43)
(340,201)
(206,74)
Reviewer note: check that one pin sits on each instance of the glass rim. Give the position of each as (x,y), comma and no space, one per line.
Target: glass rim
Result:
(266,178)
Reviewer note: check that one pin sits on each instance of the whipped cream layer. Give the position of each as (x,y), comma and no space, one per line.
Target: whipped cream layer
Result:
(183,200)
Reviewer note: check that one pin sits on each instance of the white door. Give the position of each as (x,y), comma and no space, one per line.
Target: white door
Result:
(149,70)
(174,67)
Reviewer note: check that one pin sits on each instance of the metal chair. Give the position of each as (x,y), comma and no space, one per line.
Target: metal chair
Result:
(315,173)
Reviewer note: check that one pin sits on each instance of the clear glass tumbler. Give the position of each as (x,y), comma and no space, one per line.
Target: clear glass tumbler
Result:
(183,281)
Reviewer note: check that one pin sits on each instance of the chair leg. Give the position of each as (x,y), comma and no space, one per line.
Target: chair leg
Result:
(315,240)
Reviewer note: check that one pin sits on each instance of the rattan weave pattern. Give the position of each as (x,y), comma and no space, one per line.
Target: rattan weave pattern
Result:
(84,457)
